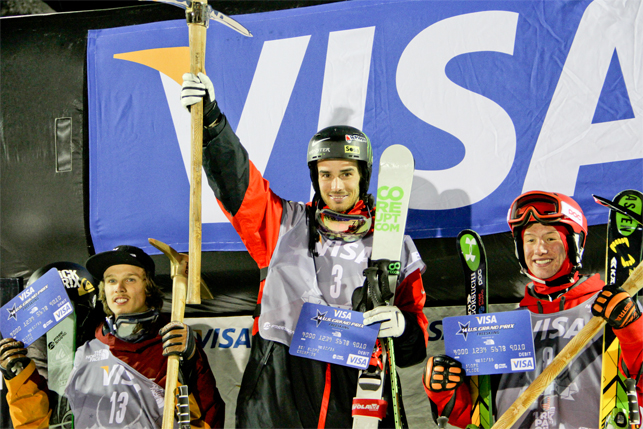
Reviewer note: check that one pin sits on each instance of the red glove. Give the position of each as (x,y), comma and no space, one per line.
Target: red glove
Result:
(617,307)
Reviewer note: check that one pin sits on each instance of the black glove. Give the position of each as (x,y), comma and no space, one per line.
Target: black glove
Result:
(376,290)
(616,306)
(13,357)
(199,87)
(443,373)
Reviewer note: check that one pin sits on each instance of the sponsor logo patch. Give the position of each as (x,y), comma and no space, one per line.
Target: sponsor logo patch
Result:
(351,149)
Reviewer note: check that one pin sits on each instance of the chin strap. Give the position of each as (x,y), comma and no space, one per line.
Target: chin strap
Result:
(569,278)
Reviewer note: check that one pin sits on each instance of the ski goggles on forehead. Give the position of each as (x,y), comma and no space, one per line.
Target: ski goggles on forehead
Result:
(543,208)
(339,226)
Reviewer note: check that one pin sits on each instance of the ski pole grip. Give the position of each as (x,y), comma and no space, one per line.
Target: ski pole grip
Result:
(632,285)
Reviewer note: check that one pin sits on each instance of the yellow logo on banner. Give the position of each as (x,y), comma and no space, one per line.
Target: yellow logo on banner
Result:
(172,62)
(351,149)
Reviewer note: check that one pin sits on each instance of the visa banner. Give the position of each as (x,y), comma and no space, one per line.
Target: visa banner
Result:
(493,98)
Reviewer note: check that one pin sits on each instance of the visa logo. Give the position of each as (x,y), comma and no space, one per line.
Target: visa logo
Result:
(228,338)
(26,293)
(483,320)
(343,314)
(63,311)
(117,374)
(358,361)
(522,364)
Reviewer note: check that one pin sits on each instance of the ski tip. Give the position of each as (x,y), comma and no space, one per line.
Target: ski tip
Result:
(602,201)
(398,149)
(625,211)
(399,156)
(468,232)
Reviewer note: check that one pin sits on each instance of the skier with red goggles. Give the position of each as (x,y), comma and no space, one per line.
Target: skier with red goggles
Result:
(549,231)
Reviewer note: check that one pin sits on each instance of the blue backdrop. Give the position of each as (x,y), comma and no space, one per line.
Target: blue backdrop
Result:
(493,98)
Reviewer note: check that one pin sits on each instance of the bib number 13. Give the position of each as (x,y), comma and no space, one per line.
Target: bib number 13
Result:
(119,406)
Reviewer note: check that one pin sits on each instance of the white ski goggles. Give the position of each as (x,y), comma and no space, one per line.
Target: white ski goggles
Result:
(340,226)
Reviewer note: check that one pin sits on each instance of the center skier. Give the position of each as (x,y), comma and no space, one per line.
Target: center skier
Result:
(313,252)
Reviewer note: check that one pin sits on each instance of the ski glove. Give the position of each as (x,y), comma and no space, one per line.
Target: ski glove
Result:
(616,306)
(443,373)
(392,319)
(13,357)
(197,88)
(178,340)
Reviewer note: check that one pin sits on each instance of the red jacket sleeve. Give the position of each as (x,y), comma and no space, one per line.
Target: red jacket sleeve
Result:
(410,347)
(461,414)
(410,297)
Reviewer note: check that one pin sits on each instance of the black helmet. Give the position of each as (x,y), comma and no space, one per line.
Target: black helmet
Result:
(80,285)
(341,142)
(82,289)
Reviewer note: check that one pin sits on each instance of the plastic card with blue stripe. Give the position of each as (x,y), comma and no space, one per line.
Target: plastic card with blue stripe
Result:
(38,308)
(335,335)
(492,343)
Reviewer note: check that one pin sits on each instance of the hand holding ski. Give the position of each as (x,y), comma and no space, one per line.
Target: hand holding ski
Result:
(393,194)
(624,250)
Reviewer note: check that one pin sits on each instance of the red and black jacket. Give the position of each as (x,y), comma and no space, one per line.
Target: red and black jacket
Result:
(279,390)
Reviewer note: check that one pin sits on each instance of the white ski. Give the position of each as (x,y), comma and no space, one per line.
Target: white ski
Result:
(393,192)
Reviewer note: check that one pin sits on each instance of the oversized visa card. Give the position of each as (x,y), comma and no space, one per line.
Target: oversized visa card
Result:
(492,343)
(34,311)
(335,335)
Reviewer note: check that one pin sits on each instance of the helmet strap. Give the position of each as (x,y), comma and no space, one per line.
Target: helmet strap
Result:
(559,281)
(313,233)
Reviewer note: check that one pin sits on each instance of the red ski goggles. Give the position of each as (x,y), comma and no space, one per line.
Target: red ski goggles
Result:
(544,208)
(340,226)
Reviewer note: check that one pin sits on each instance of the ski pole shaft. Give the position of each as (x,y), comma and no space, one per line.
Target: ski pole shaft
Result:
(632,285)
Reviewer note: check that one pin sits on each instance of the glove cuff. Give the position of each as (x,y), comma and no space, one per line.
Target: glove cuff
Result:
(212,114)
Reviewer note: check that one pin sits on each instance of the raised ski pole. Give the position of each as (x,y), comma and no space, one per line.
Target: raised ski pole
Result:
(632,285)
(179,274)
